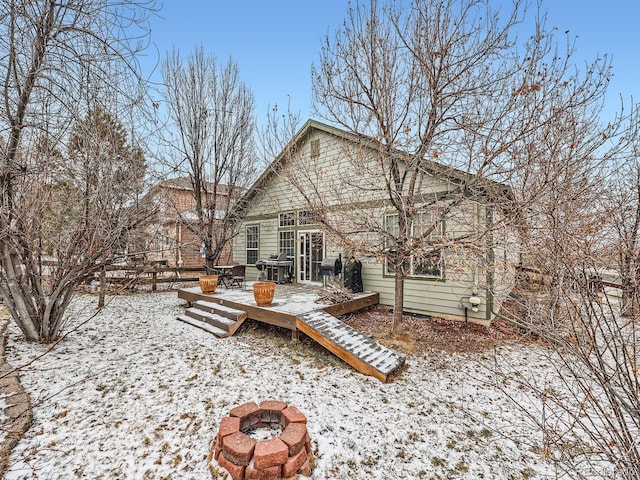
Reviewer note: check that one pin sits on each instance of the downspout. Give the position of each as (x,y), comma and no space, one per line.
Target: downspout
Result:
(490,265)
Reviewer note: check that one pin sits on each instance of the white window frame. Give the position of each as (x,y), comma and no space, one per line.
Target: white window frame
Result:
(308,217)
(248,248)
(290,248)
(287,219)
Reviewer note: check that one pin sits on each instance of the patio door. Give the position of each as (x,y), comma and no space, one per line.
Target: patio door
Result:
(311,253)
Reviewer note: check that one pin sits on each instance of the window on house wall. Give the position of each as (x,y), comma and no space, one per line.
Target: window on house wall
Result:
(287,219)
(252,243)
(393,228)
(314,148)
(305,218)
(428,265)
(309,217)
(287,243)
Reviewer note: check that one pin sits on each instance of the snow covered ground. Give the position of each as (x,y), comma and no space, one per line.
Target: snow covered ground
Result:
(136,394)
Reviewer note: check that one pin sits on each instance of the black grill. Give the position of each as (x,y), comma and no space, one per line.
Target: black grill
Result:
(274,258)
(331,267)
(278,267)
(353,275)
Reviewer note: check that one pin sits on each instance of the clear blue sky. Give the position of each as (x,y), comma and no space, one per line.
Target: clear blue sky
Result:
(275,42)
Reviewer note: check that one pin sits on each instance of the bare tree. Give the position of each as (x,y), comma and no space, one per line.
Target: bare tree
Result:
(621,222)
(589,410)
(579,200)
(277,133)
(213,115)
(60,60)
(444,89)
(448,80)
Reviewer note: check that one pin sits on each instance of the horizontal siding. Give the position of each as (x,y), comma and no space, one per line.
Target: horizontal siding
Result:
(343,172)
(268,237)
(239,244)
(268,242)
(438,298)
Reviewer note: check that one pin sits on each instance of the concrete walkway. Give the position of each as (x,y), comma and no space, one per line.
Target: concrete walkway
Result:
(17,412)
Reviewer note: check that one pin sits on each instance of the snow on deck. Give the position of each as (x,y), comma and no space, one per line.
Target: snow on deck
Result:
(285,300)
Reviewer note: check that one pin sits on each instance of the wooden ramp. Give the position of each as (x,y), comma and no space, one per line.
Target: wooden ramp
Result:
(362,353)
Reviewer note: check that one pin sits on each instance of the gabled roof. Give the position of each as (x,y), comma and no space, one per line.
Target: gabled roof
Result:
(430,166)
(299,137)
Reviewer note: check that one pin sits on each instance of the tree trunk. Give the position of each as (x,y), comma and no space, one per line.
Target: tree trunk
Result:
(103,287)
(629,297)
(14,297)
(398,302)
(628,279)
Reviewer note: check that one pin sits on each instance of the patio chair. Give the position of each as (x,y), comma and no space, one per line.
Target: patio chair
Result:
(237,276)
(209,270)
(223,277)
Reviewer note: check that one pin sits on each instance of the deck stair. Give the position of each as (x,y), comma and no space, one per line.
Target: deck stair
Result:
(362,353)
(220,320)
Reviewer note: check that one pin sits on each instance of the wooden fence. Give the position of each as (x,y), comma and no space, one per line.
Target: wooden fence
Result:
(148,275)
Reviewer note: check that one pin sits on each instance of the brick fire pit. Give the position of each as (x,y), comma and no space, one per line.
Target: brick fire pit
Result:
(246,458)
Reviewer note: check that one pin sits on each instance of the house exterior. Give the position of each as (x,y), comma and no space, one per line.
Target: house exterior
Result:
(316,175)
(169,238)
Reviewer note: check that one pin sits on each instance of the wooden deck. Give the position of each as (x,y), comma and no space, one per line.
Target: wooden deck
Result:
(290,301)
(294,307)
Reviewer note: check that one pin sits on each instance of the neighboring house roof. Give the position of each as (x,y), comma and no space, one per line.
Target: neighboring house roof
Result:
(430,166)
(171,190)
(184,183)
